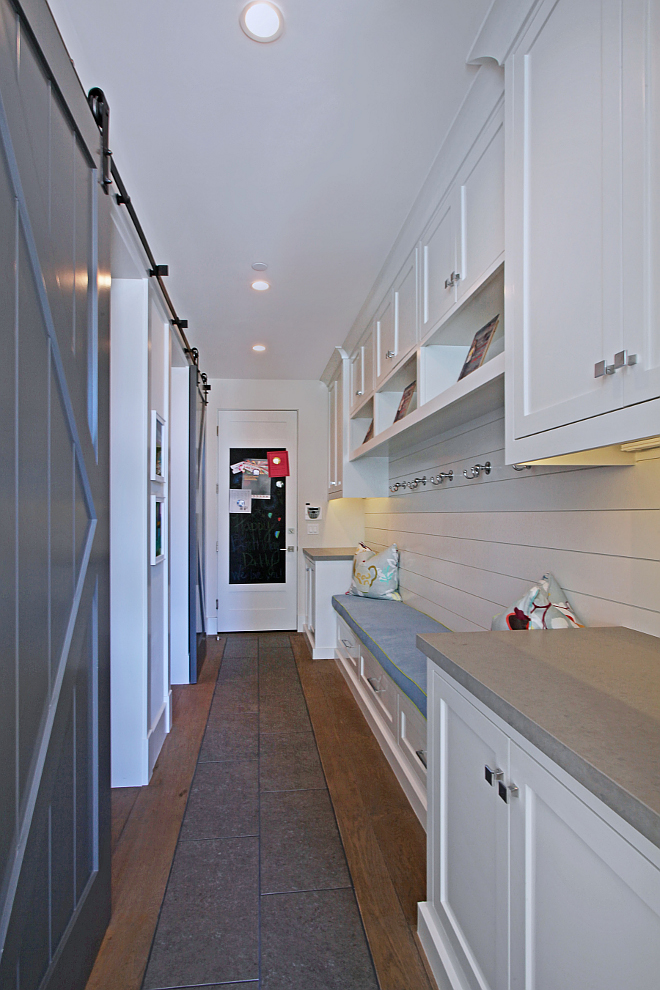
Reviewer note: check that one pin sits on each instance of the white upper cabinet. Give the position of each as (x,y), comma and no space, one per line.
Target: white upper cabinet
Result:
(368,358)
(464,240)
(357,377)
(641,199)
(439,264)
(582,226)
(405,308)
(385,339)
(481,190)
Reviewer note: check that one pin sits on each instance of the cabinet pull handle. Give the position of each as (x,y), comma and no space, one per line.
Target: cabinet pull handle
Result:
(622,359)
(507,791)
(452,280)
(421,756)
(602,368)
(493,775)
(390,354)
(374,684)
(347,643)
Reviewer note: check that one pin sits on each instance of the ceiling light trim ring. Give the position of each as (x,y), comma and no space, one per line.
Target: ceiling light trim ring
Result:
(245,18)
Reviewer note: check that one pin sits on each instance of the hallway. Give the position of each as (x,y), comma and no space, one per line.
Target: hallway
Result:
(262,890)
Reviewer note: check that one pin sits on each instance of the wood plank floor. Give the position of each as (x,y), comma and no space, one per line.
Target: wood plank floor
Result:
(384,842)
(146,827)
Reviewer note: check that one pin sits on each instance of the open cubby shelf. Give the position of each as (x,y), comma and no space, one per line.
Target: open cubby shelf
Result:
(440,401)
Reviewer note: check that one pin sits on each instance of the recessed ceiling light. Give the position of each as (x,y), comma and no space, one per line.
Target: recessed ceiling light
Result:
(260,286)
(258,347)
(262,21)
(260,266)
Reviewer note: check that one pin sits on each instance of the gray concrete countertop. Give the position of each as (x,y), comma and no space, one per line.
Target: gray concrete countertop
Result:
(587,698)
(329,553)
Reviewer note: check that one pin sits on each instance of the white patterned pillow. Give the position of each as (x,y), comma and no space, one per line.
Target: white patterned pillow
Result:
(376,575)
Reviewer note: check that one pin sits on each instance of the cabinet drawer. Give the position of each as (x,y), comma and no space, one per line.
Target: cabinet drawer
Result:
(347,643)
(380,688)
(412,737)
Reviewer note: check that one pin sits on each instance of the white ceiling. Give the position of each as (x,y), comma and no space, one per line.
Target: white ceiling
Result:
(306,153)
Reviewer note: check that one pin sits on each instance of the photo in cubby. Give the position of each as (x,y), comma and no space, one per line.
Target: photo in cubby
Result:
(406,399)
(479,347)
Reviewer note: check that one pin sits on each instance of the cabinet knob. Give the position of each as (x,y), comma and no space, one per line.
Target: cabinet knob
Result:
(493,775)
(507,791)
(359,392)
(390,354)
(622,359)
(452,280)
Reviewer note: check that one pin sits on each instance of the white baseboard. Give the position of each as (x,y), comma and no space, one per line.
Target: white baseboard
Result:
(411,786)
(156,736)
(440,956)
(318,653)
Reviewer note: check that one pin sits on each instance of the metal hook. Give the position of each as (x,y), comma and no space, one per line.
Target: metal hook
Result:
(416,482)
(521,467)
(475,471)
(439,478)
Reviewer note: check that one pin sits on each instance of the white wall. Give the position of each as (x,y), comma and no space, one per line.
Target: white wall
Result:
(129,532)
(178,524)
(343,519)
(469,549)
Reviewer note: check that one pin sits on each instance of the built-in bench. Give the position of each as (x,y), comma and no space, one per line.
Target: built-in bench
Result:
(377,655)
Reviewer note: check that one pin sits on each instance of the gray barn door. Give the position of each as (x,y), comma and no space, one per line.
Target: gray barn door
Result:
(54,791)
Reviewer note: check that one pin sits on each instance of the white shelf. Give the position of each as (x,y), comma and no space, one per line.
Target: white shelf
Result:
(479,393)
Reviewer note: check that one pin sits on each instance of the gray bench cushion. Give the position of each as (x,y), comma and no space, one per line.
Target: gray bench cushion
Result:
(388,630)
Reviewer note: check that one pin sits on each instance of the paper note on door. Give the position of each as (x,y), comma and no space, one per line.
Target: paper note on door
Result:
(239,500)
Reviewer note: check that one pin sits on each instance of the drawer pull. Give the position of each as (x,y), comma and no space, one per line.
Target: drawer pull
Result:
(493,775)
(421,756)
(374,684)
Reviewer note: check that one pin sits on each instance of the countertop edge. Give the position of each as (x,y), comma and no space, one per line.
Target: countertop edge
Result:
(326,553)
(617,798)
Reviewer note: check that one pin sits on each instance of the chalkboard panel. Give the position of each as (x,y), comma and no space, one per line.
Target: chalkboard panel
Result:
(257,539)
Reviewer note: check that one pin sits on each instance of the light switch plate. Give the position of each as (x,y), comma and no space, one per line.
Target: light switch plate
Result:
(312,529)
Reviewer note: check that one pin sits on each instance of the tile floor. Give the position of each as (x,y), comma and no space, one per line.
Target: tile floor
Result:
(259,895)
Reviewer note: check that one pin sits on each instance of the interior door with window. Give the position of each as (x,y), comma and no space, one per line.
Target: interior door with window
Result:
(257,535)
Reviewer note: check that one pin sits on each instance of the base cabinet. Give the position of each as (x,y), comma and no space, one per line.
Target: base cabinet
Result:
(323,579)
(530,885)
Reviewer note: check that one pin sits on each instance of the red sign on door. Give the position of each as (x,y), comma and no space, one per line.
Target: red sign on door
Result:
(278,464)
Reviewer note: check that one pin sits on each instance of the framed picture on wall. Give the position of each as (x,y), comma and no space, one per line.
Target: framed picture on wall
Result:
(158,528)
(158,447)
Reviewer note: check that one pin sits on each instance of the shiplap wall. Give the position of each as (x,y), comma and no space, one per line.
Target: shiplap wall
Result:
(471,548)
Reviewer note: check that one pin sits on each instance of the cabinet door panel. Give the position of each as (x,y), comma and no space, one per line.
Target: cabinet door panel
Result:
(386,342)
(339,430)
(405,308)
(332,437)
(357,377)
(472,860)
(438,263)
(585,903)
(482,211)
(368,360)
(564,236)
(641,191)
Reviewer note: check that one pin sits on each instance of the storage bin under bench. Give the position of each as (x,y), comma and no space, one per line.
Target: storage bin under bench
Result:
(386,673)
